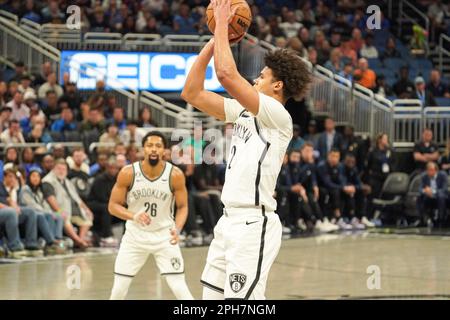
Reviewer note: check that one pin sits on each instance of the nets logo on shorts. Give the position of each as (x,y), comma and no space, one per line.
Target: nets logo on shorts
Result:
(176,263)
(237,281)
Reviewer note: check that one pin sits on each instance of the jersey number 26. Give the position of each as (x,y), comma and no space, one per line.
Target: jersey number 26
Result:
(151,207)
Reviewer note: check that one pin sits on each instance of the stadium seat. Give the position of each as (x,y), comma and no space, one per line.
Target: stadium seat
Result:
(56,136)
(394,64)
(442,102)
(71,136)
(393,194)
(411,196)
(375,63)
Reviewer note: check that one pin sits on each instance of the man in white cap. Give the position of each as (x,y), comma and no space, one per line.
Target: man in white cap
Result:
(422,94)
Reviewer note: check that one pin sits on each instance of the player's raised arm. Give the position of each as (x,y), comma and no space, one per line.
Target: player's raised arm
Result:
(178,182)
(194,91)
(226,69)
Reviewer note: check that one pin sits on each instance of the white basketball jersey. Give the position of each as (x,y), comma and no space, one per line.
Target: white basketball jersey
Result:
(258,146)
(155,197)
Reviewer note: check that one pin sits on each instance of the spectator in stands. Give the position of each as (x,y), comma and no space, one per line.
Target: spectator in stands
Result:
(133,153)
(63,198)
(335,63)
(94,121)
(77,165)
(312,135)
(47,164)
(111,137)
(433,194)
(380,163)
(59,152)
(322,46)
(356,202)
(340,25)
(38,134)
(5,117)
(11,156)
(368,50)
(425,150)
(165,19)
(403,88)
(120,148)
(28,161)
(52,109)
(98,202)
(333,188)
(436,86)
(282,192)
(100,165)
(183,23)
(418,43)
(98,21)
(304,36)
(9,222)
(296,45)
(119,118)
(30,11)
(50,85)
(72,96)
(291,26)
(312,55)
(357,41)
(297,141)
(329,139)
(422,93)
(444,160)
(13,134)
(439,14)
(145,118)
(66,123)
(19,109)
(13,87)
(335,39)
(348,54)
(25,216)
(50,224)
(25,84)
(151,26)
(309,192)
(51,13)
(19,70)
(382,87)
(390,50)
(347,71)
(131,135)
(129,25)
(41,78)
(3,93)
(30,101)
(365,76)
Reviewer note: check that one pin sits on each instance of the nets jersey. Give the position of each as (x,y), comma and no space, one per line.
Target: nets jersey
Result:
(155,197)
(258,146)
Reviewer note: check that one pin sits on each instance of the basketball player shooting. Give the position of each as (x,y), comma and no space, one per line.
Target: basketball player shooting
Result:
(149,189)
(247,237)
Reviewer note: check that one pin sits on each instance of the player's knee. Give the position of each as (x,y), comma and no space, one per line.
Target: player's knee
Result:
(120,287)
(213,278)
(177,284)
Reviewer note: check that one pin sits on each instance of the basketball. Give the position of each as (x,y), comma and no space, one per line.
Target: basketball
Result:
(238,25)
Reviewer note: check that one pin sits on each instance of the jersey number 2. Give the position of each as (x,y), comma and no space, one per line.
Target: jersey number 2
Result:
(151,207)
(233,153)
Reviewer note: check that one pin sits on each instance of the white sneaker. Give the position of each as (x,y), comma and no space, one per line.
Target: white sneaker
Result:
(286,230)
(343,225)
(325,227)
(302,225)
(367,223)
(331,226)
(109,242)
(356,224)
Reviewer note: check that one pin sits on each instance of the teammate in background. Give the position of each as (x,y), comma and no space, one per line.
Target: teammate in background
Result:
(247,237)
(149,189)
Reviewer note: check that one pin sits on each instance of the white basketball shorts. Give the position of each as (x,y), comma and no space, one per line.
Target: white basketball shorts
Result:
(137,245)
(245,245)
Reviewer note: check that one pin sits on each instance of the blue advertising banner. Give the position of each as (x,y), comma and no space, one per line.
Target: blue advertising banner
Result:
(148,71)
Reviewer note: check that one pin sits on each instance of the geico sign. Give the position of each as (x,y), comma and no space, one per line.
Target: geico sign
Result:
(137,71)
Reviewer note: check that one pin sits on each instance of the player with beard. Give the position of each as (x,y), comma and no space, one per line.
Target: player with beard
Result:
(144,196)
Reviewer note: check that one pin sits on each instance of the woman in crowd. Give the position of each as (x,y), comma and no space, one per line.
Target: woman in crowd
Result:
(50,225)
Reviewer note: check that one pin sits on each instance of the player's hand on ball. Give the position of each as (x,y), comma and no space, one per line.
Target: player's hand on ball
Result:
(175,236)
(222,10)
(142,218)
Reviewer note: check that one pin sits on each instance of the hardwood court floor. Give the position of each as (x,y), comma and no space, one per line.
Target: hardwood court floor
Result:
(322,267)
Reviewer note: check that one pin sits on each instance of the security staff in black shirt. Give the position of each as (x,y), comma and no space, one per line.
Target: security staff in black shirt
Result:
(425,150)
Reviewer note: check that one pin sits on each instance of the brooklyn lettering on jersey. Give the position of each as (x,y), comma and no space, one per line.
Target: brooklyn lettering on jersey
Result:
(242,132)
(149,192)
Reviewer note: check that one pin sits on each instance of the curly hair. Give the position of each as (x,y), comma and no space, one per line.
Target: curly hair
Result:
(289,68)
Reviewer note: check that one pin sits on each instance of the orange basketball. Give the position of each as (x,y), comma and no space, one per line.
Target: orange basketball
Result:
(240,23)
